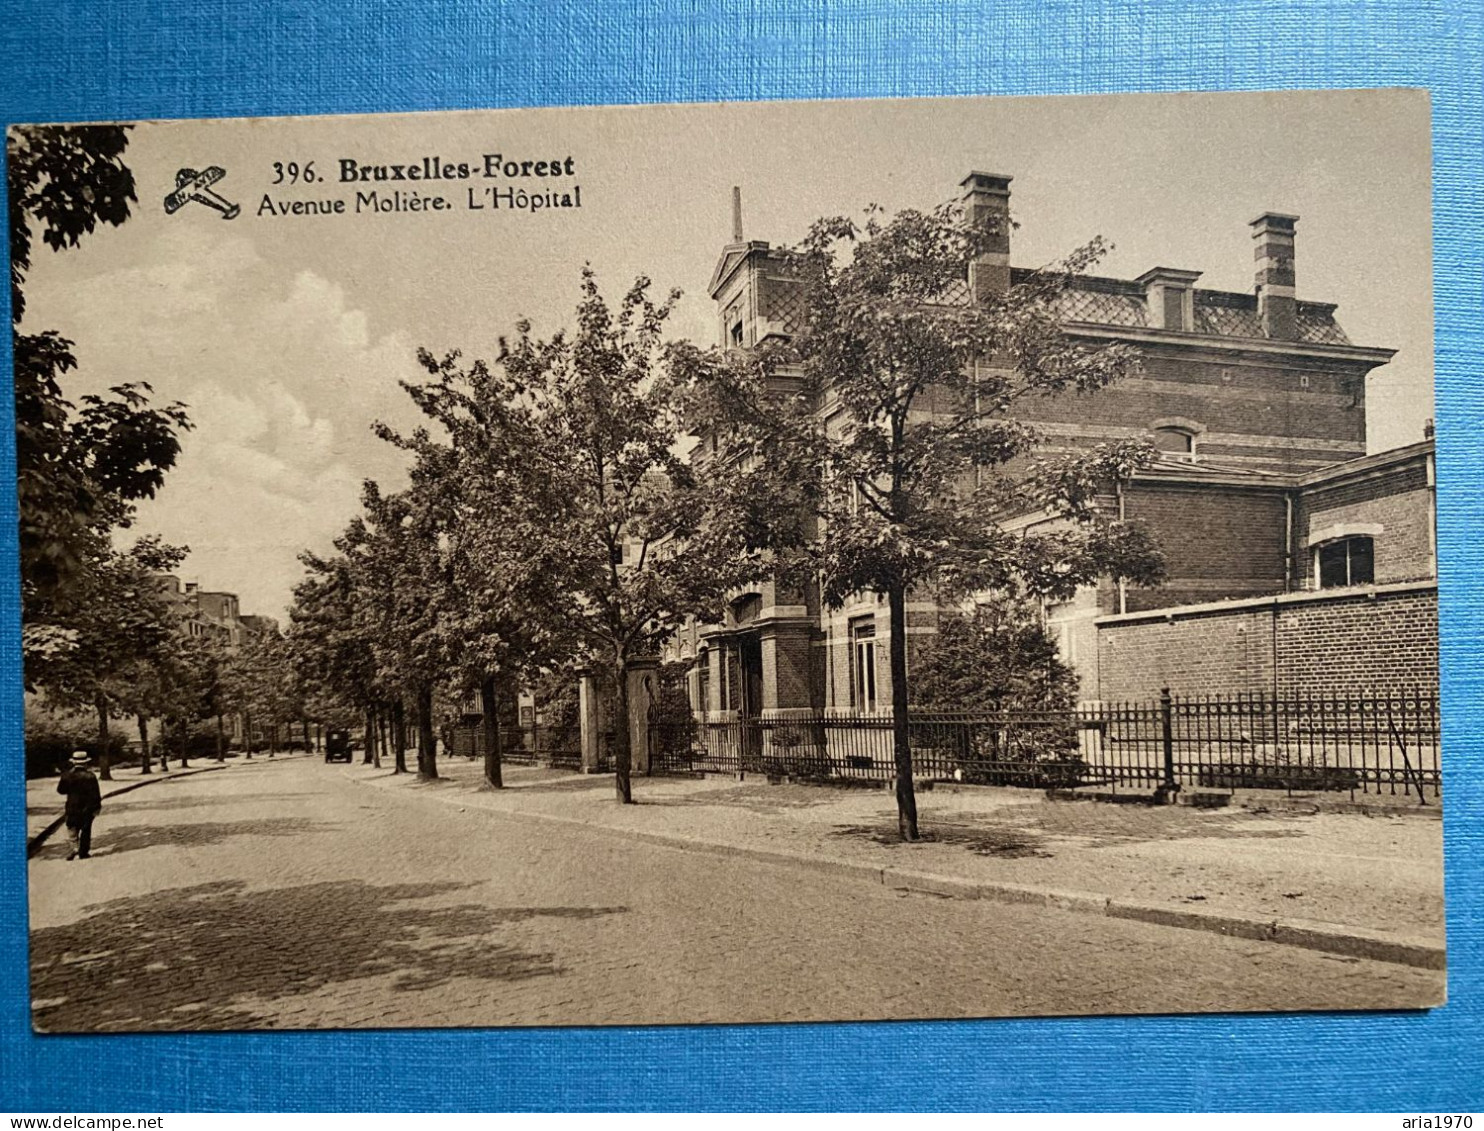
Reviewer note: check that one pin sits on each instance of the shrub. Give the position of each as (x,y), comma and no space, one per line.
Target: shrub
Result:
(52,736)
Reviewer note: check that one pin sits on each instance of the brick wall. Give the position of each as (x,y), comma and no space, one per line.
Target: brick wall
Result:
(1218,654)
(1398,500)
(1262,411)
(1219,542)
(1333,643)
(1360,643)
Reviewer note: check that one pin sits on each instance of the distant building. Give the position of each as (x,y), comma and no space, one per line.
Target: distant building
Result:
(257,627)
(204,614)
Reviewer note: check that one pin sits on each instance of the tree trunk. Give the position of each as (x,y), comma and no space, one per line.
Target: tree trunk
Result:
(104,773)
(901,745)
(221,738)
(144,759)
(273,738)
(427,758)
(399,737)
(308,740)
(373,755)
(490,721)
(382,738)
(622,785)
(180,730)
(247,733)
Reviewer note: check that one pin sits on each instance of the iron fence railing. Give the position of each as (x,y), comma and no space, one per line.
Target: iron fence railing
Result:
(558,746)
(1372,743)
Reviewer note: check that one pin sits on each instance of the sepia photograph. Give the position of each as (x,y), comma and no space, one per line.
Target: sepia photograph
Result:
(729,563)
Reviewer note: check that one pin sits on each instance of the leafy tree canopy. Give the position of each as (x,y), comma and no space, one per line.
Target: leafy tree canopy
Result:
(79,468)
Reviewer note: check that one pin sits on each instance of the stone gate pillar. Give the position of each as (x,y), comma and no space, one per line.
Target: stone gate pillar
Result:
(590,718)
(643,676)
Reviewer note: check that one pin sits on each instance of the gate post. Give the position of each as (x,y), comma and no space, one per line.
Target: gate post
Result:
(1165,794)
(590,718)
(643,677)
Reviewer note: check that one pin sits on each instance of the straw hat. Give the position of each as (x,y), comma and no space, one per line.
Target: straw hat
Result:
(79,758)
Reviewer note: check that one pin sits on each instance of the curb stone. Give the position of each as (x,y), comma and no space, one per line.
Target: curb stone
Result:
(1329,938)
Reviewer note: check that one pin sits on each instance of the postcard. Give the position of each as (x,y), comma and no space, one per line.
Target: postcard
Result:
(729,563)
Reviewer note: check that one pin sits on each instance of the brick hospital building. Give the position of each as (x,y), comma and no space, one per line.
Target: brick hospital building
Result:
(1296,562)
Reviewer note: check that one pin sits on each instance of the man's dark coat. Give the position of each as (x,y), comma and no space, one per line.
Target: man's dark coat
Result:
(84,801)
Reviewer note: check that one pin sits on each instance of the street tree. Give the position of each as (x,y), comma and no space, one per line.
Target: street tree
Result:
(926,459)
(639,538)
(328,650)
(113,621)
(501,617)
(400,579)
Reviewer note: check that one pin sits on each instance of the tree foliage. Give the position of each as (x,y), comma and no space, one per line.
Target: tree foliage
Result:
(96,628)
(110,631)
(642,537)
(79,467)
(995,657)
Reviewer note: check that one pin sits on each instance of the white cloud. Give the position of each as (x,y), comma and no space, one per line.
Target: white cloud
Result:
(282,379)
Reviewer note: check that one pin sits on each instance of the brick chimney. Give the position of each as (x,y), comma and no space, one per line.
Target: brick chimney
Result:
(987,203)
(1277,308)
(736,214)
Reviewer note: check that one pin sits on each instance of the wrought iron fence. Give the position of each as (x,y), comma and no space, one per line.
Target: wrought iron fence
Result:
(557,746)
(1374,743)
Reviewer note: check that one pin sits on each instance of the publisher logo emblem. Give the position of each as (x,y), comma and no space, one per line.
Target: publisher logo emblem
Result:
(191,185)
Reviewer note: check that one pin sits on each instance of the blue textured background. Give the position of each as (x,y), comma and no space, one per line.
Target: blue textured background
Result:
(71,59)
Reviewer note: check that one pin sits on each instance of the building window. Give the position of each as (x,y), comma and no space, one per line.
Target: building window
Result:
(1175,442)
(737,334)
(703,682)
(863,665)
(1347,561)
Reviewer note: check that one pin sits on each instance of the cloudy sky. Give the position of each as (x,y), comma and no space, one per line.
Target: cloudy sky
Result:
(286,335)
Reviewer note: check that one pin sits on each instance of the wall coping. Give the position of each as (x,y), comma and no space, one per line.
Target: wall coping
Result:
(1304,597)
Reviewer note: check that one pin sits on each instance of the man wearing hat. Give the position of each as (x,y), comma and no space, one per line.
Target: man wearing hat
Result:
(84,802)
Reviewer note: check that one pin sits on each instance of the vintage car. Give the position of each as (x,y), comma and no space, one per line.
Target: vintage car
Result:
(337,745)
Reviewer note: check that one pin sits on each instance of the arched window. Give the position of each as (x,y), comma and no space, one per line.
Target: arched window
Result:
(1177,442)
(1345,561)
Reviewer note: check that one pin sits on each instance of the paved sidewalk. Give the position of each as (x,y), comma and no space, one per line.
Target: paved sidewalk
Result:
(1369,879)
(44,803)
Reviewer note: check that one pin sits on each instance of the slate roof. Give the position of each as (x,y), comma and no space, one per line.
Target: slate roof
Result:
(1098,301)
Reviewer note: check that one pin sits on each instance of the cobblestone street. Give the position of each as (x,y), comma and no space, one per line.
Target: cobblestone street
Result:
(288,895)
